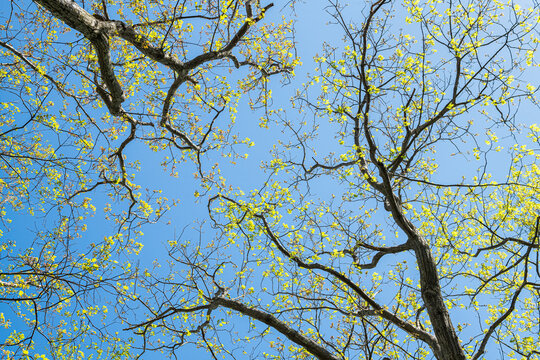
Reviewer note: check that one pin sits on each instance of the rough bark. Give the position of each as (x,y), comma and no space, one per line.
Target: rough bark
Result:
(449,347)
(81,20)
(98,30)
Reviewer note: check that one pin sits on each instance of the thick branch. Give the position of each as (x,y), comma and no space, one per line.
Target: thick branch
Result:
(394,319)
(79,19)
(447,339)
(295,336)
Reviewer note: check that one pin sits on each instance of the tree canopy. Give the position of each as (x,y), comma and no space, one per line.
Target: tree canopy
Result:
(180,178)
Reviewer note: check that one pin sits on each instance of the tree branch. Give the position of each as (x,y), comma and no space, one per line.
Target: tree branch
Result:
(295,336)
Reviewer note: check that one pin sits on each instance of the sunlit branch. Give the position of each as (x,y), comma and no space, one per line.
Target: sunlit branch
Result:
(429,339)
(272,321)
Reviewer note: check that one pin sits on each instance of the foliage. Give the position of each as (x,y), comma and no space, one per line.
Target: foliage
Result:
(367,238)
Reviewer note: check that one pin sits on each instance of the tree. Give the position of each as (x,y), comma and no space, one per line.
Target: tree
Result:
(82,83)
(373,243)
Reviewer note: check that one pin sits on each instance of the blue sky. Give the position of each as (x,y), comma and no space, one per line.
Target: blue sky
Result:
(312,29)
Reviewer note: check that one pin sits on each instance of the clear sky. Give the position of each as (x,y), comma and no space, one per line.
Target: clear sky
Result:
(312,28)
